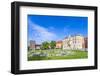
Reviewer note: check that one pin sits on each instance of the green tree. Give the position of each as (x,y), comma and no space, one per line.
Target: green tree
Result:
(45,45)
(28,48)
(52,44)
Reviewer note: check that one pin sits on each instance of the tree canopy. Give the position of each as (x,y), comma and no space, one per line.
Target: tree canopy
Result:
(45,45)
(52,44)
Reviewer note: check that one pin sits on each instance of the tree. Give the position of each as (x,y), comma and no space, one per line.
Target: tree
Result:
(45,45)
(28,48)
(52,44)
(69,43)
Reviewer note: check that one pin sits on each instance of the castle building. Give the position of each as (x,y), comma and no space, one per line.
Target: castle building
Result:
(74,42)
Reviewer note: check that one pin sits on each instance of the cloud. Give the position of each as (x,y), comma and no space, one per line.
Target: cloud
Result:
(40,33)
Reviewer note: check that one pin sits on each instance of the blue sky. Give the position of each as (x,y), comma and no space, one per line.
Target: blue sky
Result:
(46,28)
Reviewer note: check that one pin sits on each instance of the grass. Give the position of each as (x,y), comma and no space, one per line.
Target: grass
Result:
(56,54)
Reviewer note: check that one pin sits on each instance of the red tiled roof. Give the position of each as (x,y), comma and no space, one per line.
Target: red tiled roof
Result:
(59,41)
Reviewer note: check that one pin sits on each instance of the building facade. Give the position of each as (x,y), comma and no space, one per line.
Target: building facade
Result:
(74,42)
(37,46)
(86,43)
(59,44)
(32,44)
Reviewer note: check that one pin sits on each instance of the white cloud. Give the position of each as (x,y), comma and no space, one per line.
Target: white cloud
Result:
(41,34)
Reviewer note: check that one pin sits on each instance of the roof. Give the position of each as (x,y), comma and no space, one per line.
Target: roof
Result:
(72,36)
(59,41)
(37,45)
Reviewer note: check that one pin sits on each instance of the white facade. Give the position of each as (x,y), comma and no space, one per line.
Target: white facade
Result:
(74,42)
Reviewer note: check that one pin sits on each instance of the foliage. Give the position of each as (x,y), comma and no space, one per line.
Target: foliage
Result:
(52,44)
(45,45)
(68,43)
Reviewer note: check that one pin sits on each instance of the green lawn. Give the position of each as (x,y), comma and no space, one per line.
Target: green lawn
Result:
(56,54)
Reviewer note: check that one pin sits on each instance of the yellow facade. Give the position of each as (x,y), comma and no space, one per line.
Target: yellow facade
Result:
(59,44)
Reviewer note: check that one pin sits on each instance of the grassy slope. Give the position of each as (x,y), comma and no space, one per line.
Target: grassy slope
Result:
(77,55)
